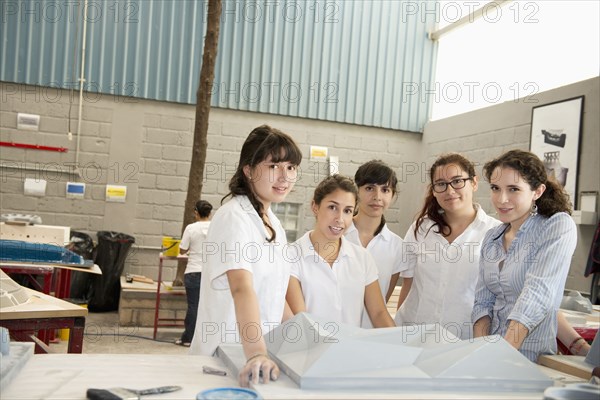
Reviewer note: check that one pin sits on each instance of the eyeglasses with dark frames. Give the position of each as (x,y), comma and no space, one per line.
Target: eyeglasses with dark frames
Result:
(458,183)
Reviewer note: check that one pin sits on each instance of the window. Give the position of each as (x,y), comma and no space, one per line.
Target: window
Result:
(289,215)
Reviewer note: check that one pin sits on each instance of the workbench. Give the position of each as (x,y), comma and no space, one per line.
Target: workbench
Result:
(60,274)
(65,376)
(43,312)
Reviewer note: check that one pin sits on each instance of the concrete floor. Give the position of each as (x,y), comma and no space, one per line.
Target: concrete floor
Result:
(104,335)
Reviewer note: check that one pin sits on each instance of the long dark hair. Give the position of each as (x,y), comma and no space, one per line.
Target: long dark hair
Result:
(554,199)
(431,208)
(261,143)
(376,172)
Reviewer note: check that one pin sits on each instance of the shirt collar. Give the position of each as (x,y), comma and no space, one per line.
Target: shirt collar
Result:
(245,203)
(307,249)
(247,206)
(529,222)
(385,233)
(479,214)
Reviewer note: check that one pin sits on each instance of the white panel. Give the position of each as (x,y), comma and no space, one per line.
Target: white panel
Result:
(50,234)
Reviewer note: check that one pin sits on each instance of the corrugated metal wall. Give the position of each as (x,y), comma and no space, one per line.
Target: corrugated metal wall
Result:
(361,62)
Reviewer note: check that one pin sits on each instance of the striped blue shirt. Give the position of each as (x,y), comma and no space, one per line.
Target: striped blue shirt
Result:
(528,288)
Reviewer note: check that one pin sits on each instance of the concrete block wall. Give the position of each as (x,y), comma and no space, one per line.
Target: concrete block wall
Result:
(146,146)
(484,134)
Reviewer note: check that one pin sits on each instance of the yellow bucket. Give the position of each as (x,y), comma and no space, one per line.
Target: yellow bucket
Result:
(63,334)
(170,246)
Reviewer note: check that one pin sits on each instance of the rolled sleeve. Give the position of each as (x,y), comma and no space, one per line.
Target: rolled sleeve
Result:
(226,248)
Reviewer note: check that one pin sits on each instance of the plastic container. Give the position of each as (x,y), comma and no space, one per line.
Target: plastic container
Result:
(81,243)
(228,393)
(170,246)
(577,391)
(63,333)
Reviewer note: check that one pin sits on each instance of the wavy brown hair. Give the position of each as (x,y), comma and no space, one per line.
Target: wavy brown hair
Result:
(431,208)
(554,199)
(261,143)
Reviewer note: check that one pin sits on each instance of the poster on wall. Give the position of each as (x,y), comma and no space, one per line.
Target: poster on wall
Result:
(555,137)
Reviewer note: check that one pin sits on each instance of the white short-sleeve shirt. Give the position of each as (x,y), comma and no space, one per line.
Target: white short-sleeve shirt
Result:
(444,275)
(334,293)
(237,240)
(386,249)
(192,240)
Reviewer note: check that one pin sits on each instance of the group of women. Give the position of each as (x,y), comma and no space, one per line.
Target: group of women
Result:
(471,273)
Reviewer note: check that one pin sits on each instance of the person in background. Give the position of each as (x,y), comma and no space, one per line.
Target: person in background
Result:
(525,261)
(333,278)
(242,294)
(192,242)
(377,185)
(441,250)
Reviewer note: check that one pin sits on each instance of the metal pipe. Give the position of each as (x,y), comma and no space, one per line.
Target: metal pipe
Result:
(81,82)
(469,18)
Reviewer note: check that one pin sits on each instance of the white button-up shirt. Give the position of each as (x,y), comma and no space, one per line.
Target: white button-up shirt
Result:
(444,275)
(334,293)
(237,240)
(386,249)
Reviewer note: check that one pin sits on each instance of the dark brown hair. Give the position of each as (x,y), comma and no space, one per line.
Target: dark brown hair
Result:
(554,199)
(203,208)
(333,183)
(431,208)
(261,143)
(376,172)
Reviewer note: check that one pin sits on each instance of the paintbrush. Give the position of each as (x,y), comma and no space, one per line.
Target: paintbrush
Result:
(126,394)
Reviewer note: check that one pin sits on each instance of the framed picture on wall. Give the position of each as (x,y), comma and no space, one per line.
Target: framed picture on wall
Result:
(555,137)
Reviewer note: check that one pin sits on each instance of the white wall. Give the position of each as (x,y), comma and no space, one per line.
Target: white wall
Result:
(484,134)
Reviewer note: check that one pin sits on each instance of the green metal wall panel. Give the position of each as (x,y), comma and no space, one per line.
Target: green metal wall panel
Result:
(347,61)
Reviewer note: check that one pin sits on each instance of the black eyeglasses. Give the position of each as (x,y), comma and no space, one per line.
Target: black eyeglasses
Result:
(458,183)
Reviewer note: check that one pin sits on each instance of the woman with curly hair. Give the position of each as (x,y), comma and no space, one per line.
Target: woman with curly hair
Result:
(525,261)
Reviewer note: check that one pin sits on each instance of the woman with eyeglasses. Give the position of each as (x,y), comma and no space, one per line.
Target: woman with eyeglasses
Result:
(441,250)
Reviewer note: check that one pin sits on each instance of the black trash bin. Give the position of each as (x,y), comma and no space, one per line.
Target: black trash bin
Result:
(82,244)
(111,253)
